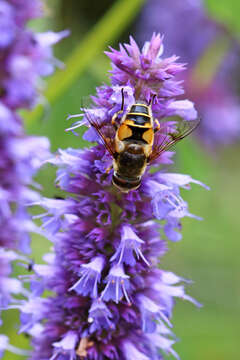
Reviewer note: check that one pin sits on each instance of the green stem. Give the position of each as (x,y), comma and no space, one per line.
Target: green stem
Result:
(208,65)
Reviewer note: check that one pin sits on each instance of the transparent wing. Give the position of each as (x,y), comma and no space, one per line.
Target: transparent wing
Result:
(105,131)
(171,133)
(96,118)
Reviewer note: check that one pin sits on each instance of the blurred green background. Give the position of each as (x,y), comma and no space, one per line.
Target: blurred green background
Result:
(209,250)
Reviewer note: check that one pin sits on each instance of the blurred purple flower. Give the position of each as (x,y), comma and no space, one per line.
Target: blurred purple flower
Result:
(219,107)
(24,58)
(109,300)
(169,17)
(215,98)
(8,286)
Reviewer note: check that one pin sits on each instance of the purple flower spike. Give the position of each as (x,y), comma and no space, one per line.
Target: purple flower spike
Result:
(143,69)
(109,299)
(24,58)
(117,285)
(90,277)
(130,244)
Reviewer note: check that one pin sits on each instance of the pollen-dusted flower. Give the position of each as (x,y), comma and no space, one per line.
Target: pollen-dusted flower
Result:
(109,299)
(216,98)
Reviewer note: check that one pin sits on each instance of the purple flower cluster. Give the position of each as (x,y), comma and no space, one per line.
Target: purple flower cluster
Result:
(189,32)
(109,299)
(24,58)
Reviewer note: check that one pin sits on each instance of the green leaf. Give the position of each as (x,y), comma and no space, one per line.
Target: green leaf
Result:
(226,12)
(208,64)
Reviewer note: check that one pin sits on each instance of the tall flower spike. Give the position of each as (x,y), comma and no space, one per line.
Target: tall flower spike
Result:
(24,58)
(108,292)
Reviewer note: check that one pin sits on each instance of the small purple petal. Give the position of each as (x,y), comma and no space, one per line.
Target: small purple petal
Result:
(117,285)
(90,276)
(130,244)
(99,316)
(131,352)
(182,108)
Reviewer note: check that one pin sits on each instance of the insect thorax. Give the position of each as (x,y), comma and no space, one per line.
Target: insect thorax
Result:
(137,125)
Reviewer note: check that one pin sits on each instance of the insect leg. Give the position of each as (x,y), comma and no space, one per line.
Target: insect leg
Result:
(114,119)
(118,112)
(152,100)
(84,344)
(158,125)
(109,169)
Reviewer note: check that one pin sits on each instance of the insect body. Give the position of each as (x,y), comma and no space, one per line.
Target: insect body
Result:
(137,142)
(133,145)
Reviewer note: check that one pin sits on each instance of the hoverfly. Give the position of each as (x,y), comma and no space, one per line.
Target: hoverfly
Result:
(137,141)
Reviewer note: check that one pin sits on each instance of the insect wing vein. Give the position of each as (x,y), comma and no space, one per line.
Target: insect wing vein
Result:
(165,141)
(106,137)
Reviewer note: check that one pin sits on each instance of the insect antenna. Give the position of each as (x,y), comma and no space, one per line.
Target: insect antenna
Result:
(151,101)
(122,106)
